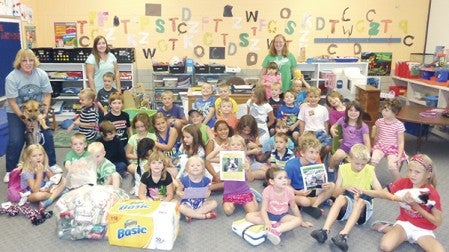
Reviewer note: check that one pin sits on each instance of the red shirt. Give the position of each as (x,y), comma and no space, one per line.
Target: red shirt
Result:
(413,216)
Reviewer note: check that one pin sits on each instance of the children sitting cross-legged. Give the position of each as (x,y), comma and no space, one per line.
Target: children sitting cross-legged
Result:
(106,174)
(193,189)
(278,197)
(350,205)
(309,200)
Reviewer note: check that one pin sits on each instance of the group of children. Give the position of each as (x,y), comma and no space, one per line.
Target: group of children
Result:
(279,135)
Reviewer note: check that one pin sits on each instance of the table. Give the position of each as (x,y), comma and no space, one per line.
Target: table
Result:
(410,113)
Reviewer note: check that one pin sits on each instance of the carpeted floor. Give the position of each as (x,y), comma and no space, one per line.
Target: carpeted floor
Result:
(62,137)
(18,234)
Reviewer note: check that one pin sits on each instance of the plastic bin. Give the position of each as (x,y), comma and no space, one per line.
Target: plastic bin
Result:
(3,132)
(432,101)
(413,129)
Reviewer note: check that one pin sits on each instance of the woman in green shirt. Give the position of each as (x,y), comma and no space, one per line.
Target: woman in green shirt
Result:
(285,60)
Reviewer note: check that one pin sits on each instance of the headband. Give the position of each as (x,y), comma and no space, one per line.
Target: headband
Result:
(420,159)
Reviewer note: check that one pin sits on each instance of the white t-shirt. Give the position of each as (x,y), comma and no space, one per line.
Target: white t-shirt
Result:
(313,117)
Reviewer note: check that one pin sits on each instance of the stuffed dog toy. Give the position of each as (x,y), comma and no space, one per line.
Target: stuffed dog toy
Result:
(419,195)
(31,112)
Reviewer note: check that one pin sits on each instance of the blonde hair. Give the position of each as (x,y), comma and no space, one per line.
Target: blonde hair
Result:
(87,93)
(424,161)
(78,136)
(23,54)
(195,158)
(308,140)
(168,93)
(226,102)
(95,147)
(281,135)
(155,156)
(313,91)
(360,152)
(25,164)
(109,75)
(238,138)
(276,85)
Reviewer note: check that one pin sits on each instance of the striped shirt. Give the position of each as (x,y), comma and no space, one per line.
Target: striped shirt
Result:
(89,115)
(387,132)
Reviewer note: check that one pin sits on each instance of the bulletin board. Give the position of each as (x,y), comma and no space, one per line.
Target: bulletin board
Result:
(238,33)
(10,43)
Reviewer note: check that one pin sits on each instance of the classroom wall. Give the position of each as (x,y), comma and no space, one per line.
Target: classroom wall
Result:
(201,29)
(438,22)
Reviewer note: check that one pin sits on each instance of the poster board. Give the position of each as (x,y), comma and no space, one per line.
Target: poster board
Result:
(10,43)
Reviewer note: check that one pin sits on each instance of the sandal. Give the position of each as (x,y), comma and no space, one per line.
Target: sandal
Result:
(380,226)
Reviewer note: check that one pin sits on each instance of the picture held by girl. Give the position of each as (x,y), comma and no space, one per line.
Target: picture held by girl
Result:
(35,172)
(389,138)
(238,192)
(353,130)
(156,182)
(271,76)
(278,198)
(416,221)
(220,142)
(193,190)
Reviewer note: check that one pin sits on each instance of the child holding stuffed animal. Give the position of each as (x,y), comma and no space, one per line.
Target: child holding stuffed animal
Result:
(416,220)
(271,76)
(299,87)
(35,172)
(278,197)
(349,206)
(193,205)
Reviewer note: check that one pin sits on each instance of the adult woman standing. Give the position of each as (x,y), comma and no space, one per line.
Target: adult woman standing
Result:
(99,62)
(285,60)
(26,82)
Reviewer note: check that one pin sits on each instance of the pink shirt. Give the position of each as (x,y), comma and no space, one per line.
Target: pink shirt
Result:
(387,133)
(268,80)
(277,203)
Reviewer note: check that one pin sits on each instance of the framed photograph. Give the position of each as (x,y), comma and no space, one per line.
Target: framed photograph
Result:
(313,176)
(231,165)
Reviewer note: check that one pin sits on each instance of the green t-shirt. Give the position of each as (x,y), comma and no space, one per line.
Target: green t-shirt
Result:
(285,65)
(72,156)
(106,169)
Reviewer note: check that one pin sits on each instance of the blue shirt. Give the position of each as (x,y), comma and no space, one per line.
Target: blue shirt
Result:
(281,161)
(175,112)
(288,114)
(293,169)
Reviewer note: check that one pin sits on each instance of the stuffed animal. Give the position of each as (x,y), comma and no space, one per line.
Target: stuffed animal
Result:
(420,195)
(297,74)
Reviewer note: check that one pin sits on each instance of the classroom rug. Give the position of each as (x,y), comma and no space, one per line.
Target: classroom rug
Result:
(61,137)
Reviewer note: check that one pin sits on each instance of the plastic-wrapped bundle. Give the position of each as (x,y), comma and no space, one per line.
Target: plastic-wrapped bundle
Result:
(81,213)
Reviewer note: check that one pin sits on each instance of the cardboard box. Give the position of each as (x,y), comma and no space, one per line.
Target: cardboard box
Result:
(143,224)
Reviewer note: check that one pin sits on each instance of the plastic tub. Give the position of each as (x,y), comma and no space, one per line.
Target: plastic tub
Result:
(431,101)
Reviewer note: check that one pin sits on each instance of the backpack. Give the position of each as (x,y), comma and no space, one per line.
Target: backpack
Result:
(14,185)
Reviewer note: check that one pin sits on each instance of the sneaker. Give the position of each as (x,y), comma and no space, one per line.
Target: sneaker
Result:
(315,212)
(256,194)
(6,178)
(274,236)
(320,235)
(56,169)
(341,241)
